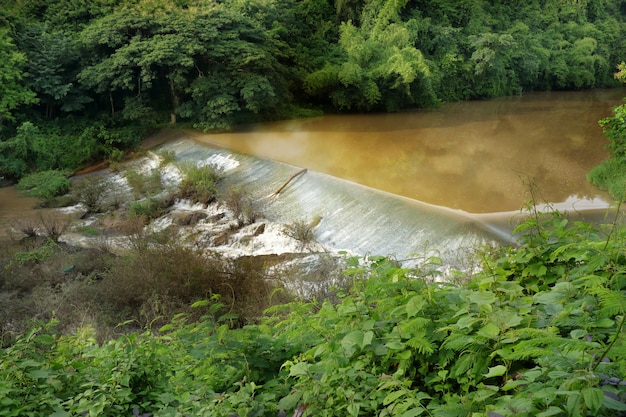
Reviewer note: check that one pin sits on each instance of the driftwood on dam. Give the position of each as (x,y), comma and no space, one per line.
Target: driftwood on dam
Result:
(288,181)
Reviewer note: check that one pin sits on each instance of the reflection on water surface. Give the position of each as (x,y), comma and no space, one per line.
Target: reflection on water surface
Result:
(479,157)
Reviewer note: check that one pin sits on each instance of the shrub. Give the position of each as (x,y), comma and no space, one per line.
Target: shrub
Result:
(166,157)
(302,231)
(241,205)
(90,192)
(144,184)
(54,224)
(610,176)
(200,183)
(149,209)
(45,184)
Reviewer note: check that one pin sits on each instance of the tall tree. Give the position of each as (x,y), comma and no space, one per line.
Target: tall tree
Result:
(380,67)
(53,62)
(13,91)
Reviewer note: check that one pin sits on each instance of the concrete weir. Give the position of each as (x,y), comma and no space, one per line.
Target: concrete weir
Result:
(352,217)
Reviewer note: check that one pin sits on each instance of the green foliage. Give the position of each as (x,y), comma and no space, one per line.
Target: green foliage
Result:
(36,255)
(200,183)
(380,67)
(45,184)
(144,184)
(148,209)
(614,128)
(539,332)
(90,193)
(239,202)
(610,175)
(301,230)
(13,93)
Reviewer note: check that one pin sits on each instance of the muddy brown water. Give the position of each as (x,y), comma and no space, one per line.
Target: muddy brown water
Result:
(15,209)
(480,156)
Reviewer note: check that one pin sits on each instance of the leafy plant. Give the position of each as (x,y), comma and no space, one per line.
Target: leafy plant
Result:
(200,183)
(302,231)
(241,205)
(90,192)
(539,332)
(144,184)
(148,208)
(45,184)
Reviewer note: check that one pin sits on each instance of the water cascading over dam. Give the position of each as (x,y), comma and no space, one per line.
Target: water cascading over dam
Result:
(354,218)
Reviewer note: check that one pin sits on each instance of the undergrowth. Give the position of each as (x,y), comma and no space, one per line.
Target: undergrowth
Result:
(539,332)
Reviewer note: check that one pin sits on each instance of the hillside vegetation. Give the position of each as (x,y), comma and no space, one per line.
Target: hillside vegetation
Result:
(539,332)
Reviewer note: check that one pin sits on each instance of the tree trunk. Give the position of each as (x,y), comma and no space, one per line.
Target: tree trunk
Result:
(175,102)
(111,102)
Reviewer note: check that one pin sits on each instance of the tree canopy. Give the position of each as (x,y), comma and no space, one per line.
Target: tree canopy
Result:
(214,64)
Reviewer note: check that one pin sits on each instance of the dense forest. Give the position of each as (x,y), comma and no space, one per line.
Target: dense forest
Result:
(84,79)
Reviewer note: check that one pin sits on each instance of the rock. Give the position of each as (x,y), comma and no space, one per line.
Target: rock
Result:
(221,239)
(188,219)
(216,217)
(259,230)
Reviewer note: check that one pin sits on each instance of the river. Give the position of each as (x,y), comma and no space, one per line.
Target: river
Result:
(479,156)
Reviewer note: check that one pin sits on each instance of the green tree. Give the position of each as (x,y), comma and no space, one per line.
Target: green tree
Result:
(13,91)
(52,66)
(380,67)
(213,61)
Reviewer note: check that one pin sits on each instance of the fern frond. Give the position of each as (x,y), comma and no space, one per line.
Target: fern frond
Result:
(612,302)
(419,343)
(544,346)
(457,341)
(410,327)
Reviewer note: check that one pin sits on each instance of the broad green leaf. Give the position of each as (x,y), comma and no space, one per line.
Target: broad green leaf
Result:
(367,338)
(417,411)
(353,409)
(39,374)
(415,305)
(393,396)
(351,340)
(578,333)
(574,404)
(490,330)
(612,403)
(395,345)
(60,414)
(593,398)
(551,411)
(497,370)
(301,368)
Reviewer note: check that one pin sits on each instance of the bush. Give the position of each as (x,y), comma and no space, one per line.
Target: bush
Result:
(200,183)
(90,192)
(302,231)
(394,344)
(54,224)
(45,184)
(241,205)
(149,209)
(144,184)
(156,280)
(610,176)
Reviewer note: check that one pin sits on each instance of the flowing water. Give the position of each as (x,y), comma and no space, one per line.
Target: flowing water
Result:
(412,182)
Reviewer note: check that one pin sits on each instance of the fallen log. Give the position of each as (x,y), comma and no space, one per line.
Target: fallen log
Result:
(288,181)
